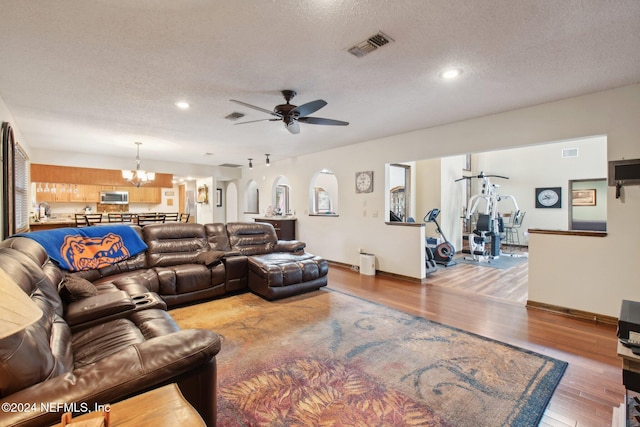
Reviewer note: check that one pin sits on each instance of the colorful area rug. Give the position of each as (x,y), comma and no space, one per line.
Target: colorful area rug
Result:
(326,358)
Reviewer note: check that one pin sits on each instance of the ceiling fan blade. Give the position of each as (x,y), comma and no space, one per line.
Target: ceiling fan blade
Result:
(261,120)
(293,127)
(321,121)
(264,110)
(309,107)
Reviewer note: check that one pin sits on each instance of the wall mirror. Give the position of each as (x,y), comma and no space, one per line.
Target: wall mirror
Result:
(323,194)
(281,197)
(282,200)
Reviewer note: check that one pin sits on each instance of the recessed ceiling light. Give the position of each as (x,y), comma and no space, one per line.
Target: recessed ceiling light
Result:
(451,74)
(182,105)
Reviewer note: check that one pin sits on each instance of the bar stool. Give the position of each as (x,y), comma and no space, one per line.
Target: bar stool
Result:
(512,236)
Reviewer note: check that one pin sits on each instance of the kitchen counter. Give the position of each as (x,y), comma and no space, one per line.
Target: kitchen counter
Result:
(51,223)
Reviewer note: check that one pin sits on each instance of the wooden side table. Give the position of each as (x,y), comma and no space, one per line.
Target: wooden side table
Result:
(161,407)
(285,227)
(630,368)
(628,414)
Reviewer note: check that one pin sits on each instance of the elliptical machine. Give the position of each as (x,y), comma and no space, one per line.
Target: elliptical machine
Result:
(444,252)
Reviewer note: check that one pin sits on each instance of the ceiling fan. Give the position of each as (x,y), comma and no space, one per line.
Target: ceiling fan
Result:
(292,115)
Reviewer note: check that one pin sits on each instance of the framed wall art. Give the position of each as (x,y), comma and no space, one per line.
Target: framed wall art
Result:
(584,197)
(203,194)
(549,197)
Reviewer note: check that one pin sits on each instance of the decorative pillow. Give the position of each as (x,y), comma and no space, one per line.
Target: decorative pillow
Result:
(209,258)
(74,288)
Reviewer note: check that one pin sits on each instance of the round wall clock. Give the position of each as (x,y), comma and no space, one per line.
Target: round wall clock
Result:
(364,182)
(548,197)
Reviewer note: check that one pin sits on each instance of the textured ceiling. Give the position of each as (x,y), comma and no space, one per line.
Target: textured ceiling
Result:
(95,76)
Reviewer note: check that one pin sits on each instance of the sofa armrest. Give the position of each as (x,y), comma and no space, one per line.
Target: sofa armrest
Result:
(209,258)
(231,254)
(101,307)
(213,257)
(289,246)
(138,368)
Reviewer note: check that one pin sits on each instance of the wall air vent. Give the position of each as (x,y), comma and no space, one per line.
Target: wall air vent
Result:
(569,152)
(234,116)
(369,45)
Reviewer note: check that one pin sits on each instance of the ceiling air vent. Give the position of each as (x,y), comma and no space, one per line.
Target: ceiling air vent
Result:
(569,152)
(230,165)
(369,45)
(234,116)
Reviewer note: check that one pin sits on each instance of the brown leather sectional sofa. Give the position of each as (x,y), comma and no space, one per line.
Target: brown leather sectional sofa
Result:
(121,341)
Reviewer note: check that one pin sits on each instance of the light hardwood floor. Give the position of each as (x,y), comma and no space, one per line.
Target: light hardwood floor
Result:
(489,302)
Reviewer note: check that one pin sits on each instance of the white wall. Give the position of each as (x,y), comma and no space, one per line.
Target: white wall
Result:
(554,277)
(427,190)
(230,204)
(452,200)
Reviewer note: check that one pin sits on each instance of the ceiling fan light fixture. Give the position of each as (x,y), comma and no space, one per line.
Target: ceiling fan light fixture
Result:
(291,115)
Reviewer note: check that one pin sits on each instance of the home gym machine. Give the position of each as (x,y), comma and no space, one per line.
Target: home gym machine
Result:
(444,252)
(490,223)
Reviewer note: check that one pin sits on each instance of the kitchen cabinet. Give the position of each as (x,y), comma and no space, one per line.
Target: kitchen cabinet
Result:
(89,176)
(80,193)
(51,193)
(85,193)
(143,194)
(62,193)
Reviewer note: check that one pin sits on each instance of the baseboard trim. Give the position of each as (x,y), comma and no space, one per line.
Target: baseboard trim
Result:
(379,272)
(571,312)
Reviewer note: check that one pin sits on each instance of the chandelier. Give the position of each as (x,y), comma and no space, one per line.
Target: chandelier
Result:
(138,177)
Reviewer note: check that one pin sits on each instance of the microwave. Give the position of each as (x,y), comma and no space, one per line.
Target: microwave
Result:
(114,197)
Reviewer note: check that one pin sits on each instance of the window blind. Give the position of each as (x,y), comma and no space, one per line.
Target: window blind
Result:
(21,190)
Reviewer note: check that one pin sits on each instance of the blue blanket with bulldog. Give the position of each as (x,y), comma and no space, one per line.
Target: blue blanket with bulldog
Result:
(87,248)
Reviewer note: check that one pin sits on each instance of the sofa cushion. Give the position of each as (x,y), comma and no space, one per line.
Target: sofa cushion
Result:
(174,244)
(252,238)
(182,279)
(154,323)
(134,282)
(74,288)
(217,237)
(100,341)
